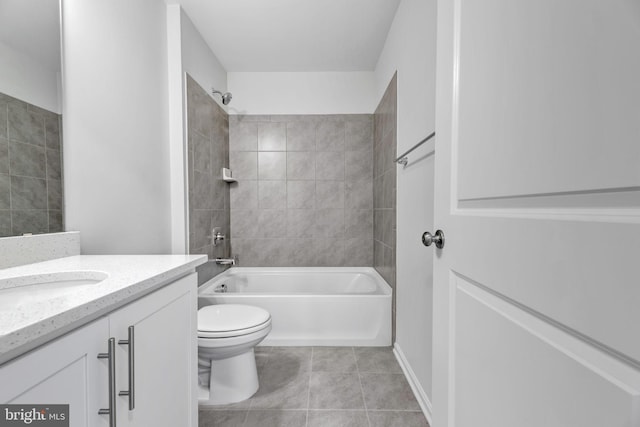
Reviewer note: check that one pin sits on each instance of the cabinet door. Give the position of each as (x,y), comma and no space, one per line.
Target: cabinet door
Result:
(165,357)
(64,371)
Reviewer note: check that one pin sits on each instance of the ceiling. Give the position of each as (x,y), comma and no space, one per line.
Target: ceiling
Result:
(293,35)
(33,28)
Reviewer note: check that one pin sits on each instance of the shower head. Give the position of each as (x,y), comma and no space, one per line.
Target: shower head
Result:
(226,97)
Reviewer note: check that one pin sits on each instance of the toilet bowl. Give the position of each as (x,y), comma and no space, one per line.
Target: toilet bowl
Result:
(227,334)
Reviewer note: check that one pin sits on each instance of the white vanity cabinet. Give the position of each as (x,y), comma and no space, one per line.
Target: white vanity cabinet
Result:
(65,371)
(162,366)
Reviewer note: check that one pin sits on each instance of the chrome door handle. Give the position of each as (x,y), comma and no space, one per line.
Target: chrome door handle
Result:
(438,239)
(132,371)
(111,356)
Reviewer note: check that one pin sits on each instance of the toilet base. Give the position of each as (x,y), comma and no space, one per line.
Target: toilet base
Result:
(231,380)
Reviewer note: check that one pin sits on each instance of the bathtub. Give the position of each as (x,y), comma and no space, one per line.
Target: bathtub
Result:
(323,306)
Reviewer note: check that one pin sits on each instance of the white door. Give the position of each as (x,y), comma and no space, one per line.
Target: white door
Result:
(537,289)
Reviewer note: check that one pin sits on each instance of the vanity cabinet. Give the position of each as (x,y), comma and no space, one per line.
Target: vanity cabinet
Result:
(162,366)
(65,371)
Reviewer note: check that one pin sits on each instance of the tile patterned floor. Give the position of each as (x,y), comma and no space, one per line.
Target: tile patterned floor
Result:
(323,387)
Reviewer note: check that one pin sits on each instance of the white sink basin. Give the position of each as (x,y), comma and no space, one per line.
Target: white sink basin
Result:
(15,291)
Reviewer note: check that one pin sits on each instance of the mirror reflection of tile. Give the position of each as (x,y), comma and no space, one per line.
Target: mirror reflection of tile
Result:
(31,195)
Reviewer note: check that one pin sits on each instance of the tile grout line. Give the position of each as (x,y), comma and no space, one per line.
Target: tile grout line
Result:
(364,402)
(309,386)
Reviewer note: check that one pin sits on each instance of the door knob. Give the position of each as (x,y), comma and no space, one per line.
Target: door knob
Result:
(438,239)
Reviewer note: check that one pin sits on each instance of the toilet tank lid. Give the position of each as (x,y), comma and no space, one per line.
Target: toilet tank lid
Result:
(230,317)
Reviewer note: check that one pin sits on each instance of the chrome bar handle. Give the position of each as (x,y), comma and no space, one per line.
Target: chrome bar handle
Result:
(132,371)
(111,356)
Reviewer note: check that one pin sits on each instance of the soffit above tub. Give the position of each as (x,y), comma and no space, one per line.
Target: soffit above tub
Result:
(293,35)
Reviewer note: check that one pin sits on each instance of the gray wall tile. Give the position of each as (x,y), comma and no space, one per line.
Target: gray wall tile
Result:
(358,251)
(358,165)
(330,135)
(3,118)
(272,137)
(56,223)
(244,223)
(54,168)
(329,252)
(54,194)
(272,194)
(301,165)
(302,252)
(24,125)
(209,196)
(272,223)
(330,223)
(244,195)
(330,195)
(25,130)
(29,221)
(5,192)
(358,223)
(5,223)
(292,212)
(301,222)
(358,135)
(243,136)
(244,165)
(330,165)
(52,132)
(27,160)
(358,195)
(384,189)
(4,155)
(301,136)
(246,250)
(28,193)
(301,194)
(201,146)
(201,224)
(202,191)
(272,165)
(220,197)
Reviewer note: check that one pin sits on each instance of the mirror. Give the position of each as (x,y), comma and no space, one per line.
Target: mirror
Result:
(31,196)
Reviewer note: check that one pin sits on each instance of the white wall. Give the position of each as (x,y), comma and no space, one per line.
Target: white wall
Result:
(116,130)
(187,53)
(302,92)
(410,49)
(199,61)
(26,78)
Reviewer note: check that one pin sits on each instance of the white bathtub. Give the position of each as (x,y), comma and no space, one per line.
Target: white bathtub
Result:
(332,306)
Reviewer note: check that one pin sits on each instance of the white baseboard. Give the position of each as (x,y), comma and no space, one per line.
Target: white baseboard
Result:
(417,389)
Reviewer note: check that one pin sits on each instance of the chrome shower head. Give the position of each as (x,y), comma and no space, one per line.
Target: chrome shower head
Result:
(226,97)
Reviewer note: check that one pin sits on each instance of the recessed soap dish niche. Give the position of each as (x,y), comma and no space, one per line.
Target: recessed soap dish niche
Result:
(227,176)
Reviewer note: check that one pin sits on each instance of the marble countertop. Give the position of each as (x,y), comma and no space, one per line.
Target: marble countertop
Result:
(26,326)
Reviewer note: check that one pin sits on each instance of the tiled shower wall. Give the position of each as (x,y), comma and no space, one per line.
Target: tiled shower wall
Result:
(304,195)
(30,169)
(208,145)
(384,189)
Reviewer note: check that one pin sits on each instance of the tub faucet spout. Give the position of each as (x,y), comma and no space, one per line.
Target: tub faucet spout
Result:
(227,261)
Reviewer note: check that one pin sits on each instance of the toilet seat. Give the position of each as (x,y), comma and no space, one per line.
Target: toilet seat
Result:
(231,320)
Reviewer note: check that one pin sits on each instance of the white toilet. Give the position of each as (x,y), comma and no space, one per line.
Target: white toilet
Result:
(227,334)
